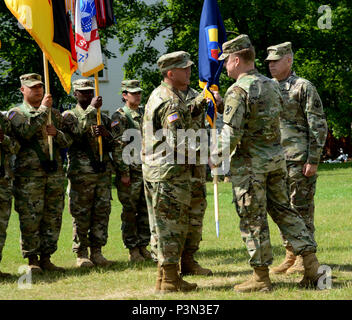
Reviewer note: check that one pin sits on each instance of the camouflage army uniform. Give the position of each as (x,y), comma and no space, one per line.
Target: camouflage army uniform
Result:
(167,185)
(8,147)
(258,168)
(134,216)
(198,184)
(303,134)
(39,195)
(89,190)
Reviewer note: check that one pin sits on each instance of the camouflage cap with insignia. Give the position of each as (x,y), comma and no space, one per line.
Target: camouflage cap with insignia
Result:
(31,79)
(83,84)
(177,59)
(239,43)
(131,86)
(279,51)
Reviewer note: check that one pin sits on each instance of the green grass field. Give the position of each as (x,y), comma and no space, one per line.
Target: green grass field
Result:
(226,255)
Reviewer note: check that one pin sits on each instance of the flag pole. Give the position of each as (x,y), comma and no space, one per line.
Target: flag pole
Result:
(216,194)
(47,91)
(100,139)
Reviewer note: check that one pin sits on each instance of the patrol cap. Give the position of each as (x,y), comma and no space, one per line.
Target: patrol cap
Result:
(177,59)
(279,51)
(131,86)
(239,43)
(31,79)
(83,84)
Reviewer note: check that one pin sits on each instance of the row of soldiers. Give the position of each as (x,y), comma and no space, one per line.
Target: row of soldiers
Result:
(255,109)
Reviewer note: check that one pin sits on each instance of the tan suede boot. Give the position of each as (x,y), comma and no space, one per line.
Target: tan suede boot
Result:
(47,265)
(191,267)
(311,266)
(297,267)
(145,253)
(98,259)
(259,281)
(82,259)
(171,281)
(286,264)
(135,255)
(33,264)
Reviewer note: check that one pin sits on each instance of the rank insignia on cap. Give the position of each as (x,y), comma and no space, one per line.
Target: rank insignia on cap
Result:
(173,117)
(114,123)
(12,114)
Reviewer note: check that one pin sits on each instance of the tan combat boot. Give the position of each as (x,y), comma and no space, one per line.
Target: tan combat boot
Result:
(286,264)
(191,267)
(47,265)
(33,264)
(297,267)
(98,259)
(171,281)
(145,253)
(311,266)
(259,281)
(159,279)
(227,179)
(82,259)
(135,256)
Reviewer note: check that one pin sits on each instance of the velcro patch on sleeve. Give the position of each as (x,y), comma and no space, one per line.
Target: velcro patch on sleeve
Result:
(114,123)
(12,114)
(173,117)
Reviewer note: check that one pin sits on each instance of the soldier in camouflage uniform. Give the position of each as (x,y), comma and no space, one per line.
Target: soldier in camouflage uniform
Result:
(188,265)
(167,183)
(39,182)
(89,185)
(8,147)
(303,134)
(258,169)
(129,178)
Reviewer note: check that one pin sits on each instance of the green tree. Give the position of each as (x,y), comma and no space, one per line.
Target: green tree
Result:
(321,55)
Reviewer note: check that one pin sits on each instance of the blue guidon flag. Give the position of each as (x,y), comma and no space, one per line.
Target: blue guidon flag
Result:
(212,35)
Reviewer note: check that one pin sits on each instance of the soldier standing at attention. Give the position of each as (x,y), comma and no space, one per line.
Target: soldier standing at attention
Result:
(8,146)
(303,134)
(167,182)
(188,265)
(251,121)
(129,177)
(89,185)
(39,189)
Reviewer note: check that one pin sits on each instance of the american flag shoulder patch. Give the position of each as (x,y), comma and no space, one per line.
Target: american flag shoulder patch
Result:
(173,117)
(12,114)
(114,123)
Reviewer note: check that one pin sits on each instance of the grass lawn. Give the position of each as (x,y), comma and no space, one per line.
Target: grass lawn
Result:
(226,255)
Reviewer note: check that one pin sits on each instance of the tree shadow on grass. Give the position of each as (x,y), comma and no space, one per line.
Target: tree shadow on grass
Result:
(339,267)
(234,255)
(50,277)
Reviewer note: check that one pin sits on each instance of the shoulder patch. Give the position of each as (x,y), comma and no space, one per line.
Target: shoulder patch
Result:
(12,114)
(173,117)
(114,123)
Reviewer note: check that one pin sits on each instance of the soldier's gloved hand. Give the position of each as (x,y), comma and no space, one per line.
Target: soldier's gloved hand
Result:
(47,100)
(310,170)
(100,131)
(126,180)
(97,102)
(51,130)
(2,136)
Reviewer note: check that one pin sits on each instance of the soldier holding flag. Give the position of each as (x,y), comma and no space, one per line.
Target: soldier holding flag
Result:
(39,182)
